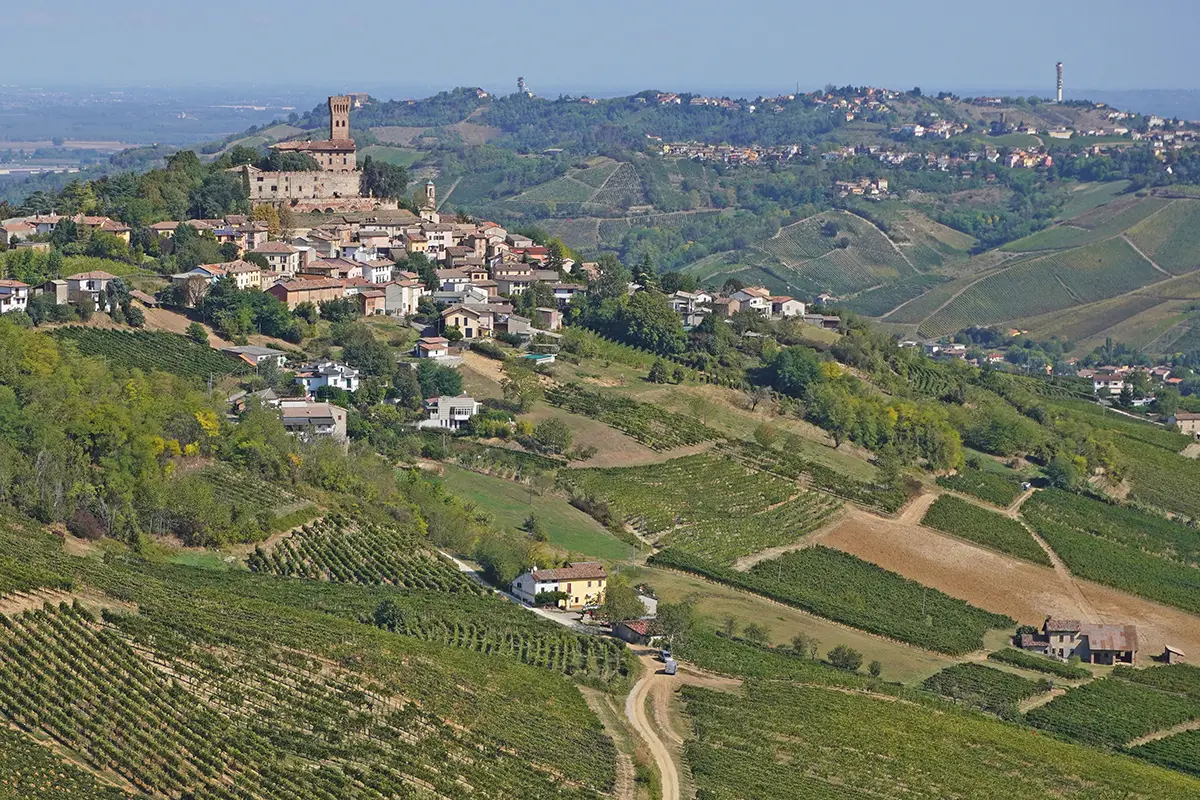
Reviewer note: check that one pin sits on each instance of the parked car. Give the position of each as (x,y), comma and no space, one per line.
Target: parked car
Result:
(665,654)
(671,668)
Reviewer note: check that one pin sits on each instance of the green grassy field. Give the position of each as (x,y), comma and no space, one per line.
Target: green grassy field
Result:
(399,156)
(1086,196)
(509,505)
(1172,236)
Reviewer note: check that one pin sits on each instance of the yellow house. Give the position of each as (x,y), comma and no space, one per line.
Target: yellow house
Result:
(582,582)
(474,324)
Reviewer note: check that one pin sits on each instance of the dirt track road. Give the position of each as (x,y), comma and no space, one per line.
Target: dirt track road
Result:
(658,687)
(635,712)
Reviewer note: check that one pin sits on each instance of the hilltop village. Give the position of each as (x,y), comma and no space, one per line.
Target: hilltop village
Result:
(460,464)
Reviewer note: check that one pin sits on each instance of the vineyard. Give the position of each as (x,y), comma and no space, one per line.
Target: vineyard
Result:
(706,504)
(1113,711)
(1171,237)
(991,487)
(879,301)
(968,521)
(1027,660)
(846,589)
(481,626)
(1052,283)
(150,350)
(780,740)
(727,656)
(985,688)
(1161,478)
(174,718)
(1119,547)
(622,189)
(238,488)
(794,466)
(33,771)
(1126,526)
(338,548)
(1180,752)
(1092,226)
(652,426)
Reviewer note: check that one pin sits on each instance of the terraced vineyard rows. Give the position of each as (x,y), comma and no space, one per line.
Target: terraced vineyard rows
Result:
(968,521)
(652,426)
(1180,752)
(706,504)
(622,189)
(1113,711)
(1093,226)
(528,639)
(1026,660)
(341,549)
(877,302)
(847,589)
(780,740)
(1055,282)
(31,770)
(999,490)
(1119,547)
(985,688)
(177,719)
(151,350)
(1171,237)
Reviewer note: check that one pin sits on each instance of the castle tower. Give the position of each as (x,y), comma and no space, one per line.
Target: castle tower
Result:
(1059,68)
(339,116)
(521,86)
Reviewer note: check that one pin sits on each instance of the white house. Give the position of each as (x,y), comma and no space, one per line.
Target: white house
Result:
(378,270)
(1108,383)
(14,296)
(89,285)
(432,347)
(449,413)
(563,292)
(784,306)
(256,356)
(755,298)
(583,582)
(401,298)
(280,256)
(327,373)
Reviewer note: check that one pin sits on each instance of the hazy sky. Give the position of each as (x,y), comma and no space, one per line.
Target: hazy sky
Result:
(569,46)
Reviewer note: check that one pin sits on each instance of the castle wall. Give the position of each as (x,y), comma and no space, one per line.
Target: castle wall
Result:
(275,186)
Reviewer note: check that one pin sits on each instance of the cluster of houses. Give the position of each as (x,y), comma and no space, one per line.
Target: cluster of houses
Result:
(724,153)
(863,187)
(938,129)
(693,307)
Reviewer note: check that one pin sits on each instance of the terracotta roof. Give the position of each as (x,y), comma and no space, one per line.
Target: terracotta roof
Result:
(8,284)
(579,571)
(310,285)
(1187,416)
(642,627)
(95,275)
(432,340)
(332,145)
(276,248)
(1053,624)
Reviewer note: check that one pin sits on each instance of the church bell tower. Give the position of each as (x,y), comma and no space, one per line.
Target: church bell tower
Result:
(339,117)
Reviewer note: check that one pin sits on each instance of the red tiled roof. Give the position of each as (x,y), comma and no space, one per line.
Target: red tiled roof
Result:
(332,145)
(276,248)
(642,627)
(579,571)
(96,275)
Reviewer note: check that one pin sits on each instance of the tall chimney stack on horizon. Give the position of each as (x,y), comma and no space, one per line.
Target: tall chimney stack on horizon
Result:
(1059,68)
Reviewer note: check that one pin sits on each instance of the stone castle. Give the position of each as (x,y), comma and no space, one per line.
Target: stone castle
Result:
(334,188)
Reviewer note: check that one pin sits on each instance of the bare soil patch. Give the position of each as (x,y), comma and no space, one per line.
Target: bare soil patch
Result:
(1191,451)
(160,319)
(475,134)
(1006,585)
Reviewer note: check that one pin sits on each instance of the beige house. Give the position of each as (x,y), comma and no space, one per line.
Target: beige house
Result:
(1187,422)
(582,582)
(473,322)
